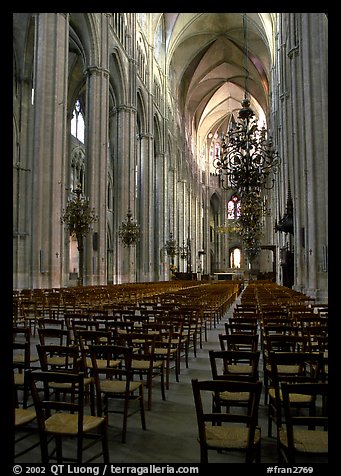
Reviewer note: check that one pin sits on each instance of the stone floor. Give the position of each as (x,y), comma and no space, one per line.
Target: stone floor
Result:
(171,435)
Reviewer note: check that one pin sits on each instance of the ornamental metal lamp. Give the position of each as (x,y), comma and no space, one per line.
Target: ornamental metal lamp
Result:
(78,218)
(129,231)
(248,159)
(247,162)
(172,250)
(186,254)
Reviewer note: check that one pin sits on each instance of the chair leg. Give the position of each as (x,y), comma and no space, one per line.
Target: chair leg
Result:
(186,353)
(177,366)
(125,421)
(167,372)
(59,452)
(44,448)
(149,386)
(163,383)
(203,455)
(105,447)
(143,419)
(269,426)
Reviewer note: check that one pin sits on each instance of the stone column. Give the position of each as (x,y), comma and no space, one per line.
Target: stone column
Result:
(315,122)
(144,205)
(124,192)
(97,117)
(49,139)
(97,150)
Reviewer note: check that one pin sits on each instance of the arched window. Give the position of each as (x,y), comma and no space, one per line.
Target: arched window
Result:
(233,208)
(160,41)
(235,257)
(77,122)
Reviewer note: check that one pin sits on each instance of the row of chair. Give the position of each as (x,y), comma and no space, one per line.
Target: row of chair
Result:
(295,379)
(236,382)
(155,340)
(30,305)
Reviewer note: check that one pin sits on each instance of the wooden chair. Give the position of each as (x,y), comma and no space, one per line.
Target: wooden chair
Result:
(233,431)
(25,427)
(22,360)
(191,321)
(165,348)
(65,417)
(240,328)
(85,339)
(236,341)
(144,363)
(51,323)
(180,338)
(198,322)
(30,314)
(291,367)
(317,338)
(304,435)
(224,366)
(65,359)
(278,342)
(54,336)
(117,329)
(113,375)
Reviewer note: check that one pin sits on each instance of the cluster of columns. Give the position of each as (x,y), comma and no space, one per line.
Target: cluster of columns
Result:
(151,177)
(301,118)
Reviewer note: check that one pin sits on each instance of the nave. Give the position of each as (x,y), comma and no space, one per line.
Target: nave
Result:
(171,435)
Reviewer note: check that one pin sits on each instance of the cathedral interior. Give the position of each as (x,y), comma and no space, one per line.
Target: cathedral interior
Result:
(131,108)
(171,149)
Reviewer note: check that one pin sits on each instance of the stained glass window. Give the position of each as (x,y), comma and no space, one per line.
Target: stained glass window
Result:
(233,208)
(77,122)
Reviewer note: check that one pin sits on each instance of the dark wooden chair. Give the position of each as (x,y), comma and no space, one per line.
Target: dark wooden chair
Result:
(232,431)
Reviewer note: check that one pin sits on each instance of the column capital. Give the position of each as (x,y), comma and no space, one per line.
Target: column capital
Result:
(145,135)
(123,108)
(294,51)
(94,69)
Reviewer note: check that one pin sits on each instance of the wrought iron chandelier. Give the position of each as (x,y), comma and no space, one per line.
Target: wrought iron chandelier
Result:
(129,231)
(247,162)
(247,159)
(78,217)
(172,250)
(171,247)
(186,254)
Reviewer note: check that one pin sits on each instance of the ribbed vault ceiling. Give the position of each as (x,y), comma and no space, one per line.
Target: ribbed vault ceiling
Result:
(206,56)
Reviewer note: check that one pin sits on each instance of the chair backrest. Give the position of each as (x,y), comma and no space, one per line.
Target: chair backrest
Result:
(59,358)
(227,359)
(162,330)
(240,328)
(285,343)
(243,320)
(86,338)
(112,362)
(87,324)
(317,421)
(143,343)
(238,341)
(50,322)
(317,337)
(279,328)
(45,401)
(309,367)
(21,334)
(204,412)
(54,336)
